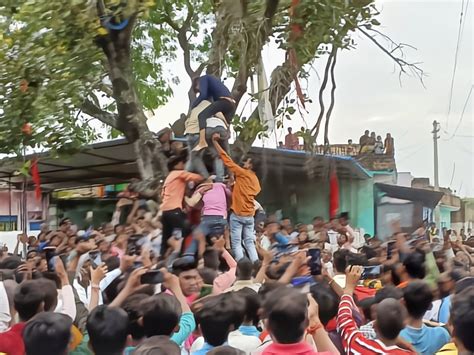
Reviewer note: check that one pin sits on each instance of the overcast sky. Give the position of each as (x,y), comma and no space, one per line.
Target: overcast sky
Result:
(369,95)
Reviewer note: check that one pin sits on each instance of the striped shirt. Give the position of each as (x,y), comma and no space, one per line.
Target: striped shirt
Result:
(353,340)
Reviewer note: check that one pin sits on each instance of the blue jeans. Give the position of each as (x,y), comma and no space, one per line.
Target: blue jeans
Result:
(214,225)
(209,226)
(195,163)
(242,228)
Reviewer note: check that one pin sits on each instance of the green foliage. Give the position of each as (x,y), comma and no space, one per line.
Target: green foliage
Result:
(48,63)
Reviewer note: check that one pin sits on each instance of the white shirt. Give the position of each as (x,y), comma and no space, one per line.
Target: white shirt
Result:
(85,295)
(245,343)
(5,317)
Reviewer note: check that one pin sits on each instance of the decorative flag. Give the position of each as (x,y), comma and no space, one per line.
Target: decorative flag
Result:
(36,178)
(265,111)
(333,193)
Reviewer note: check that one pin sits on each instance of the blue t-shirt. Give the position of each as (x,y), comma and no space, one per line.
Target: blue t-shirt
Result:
(443,315)
(426,340)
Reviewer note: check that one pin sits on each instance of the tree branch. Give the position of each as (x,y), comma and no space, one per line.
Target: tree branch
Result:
(92,110)
(402,64)
(321,93)
(333,100)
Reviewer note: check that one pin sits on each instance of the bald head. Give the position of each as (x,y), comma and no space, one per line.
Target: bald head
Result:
(390,318)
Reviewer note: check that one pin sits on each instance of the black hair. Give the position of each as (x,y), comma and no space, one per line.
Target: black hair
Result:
(28,298)
(47,333)
(418,298)
(108,330)
(64,221)
(175,160)
(195,83)
(340,260)
(369,252)
(286,312)
(161,314)
(211,259)
(415,265)
(276,273)
(225,350)
(327,300)
(10,263)
(133,308)
(244,269)
(388,292)
(182,264)
(50,294)
(252,304)
(254,161)
(219,316)
(462,317)
(208,275)
(390,318)
(356,259)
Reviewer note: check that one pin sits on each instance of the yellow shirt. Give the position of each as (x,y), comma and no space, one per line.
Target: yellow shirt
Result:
(448,349)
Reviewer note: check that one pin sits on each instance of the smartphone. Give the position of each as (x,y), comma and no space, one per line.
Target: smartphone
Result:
(152,277)
(371,272)
(390,247)
(177,233)
(50,254)
(315,261)
(95,258)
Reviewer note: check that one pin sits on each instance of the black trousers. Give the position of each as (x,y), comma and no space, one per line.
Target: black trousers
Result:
(172,219)
(222,105)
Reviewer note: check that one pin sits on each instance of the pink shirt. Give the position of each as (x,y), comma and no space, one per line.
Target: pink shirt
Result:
(215,200)
(298,348)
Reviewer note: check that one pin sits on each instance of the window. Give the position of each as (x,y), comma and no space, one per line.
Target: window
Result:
(8,223)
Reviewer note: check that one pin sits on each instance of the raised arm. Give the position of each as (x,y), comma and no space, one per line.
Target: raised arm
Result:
(228,162)
(345,320)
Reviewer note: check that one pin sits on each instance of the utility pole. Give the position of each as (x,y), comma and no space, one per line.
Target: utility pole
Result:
(435,132)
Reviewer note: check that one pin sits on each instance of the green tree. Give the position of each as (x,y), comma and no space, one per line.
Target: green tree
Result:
(67,64)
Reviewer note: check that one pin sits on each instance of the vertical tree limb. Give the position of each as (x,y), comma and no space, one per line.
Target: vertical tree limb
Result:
(331,106)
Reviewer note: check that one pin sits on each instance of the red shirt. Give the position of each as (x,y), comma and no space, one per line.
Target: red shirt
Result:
(353,340)
(297,348)
(11,341)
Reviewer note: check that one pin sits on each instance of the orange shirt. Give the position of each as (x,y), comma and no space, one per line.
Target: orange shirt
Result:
(246,187)
(175,187)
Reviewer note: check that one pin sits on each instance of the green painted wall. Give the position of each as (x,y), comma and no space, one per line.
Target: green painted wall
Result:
(445,217)
(302,198)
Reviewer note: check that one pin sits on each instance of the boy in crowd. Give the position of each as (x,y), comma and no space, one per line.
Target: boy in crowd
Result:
(389,322)
(417,297)
(288,318)
(47,333)
(108,330)
(28,301)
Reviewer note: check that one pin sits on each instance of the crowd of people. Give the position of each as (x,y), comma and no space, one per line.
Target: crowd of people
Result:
(209,272)
(369,143)
(372,143)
